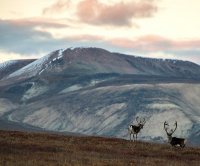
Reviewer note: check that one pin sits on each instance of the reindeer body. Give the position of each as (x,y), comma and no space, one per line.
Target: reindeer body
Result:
(134,130)
(177,141)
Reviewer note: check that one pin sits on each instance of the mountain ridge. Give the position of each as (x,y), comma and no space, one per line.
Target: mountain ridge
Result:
(96,60)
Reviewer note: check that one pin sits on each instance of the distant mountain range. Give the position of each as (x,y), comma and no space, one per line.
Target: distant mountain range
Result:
(92,91)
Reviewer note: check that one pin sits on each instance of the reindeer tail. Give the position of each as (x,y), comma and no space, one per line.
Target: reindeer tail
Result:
(185,140)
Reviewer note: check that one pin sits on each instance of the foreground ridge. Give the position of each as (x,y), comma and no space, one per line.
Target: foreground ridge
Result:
(22,148)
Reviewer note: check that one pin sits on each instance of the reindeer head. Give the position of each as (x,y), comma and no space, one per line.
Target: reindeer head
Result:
(140,122)
(169,134)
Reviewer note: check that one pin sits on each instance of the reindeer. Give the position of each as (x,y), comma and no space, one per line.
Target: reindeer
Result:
(136,129)
(173,140)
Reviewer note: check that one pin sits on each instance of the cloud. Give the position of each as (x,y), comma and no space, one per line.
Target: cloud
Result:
(97,13)
(39,22)
(121,13)
(156,43)
(5,56)
(58,7)
(23,38)
(84,37)
(160,47)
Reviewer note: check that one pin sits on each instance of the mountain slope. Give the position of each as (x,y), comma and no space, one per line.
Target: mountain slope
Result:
(9,67)
(95,92)
(107,111)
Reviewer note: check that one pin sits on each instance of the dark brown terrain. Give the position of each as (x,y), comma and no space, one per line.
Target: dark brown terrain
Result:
(24,149)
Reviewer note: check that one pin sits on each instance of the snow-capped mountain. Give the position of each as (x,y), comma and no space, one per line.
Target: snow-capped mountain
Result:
(96,60)
(95,92)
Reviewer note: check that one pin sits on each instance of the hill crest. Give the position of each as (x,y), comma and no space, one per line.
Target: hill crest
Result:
(81,61)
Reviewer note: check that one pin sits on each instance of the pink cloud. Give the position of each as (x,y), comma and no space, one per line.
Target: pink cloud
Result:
(121,13)
(97,13)
(156,43)
(58,7)
(186,44)
(33,22)
(86,37)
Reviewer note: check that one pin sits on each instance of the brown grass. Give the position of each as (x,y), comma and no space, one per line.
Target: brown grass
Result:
(34,149)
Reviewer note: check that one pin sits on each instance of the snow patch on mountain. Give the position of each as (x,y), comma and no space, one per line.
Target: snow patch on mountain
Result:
(71,88)
(6,106)
(33,68)
(155,123)
(49,64)
(7,64)
(162,106)
(51,119)
(34,91)
(79,86)
(60,54)
(36,67)
(79,48)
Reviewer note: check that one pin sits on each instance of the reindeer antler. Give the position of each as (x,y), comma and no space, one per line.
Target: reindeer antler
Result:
(143,122)
(165,123)
(172,131)
(137,120)
(140,122)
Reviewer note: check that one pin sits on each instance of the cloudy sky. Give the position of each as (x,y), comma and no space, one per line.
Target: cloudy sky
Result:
(167,29)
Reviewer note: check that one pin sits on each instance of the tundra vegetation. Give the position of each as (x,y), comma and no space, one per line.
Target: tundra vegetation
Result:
(26,148)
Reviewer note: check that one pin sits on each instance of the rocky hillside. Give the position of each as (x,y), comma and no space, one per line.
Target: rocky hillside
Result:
(92,91)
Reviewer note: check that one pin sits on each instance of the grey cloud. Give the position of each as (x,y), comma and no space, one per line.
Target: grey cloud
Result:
(24,39)
(191,55)
(33,22)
